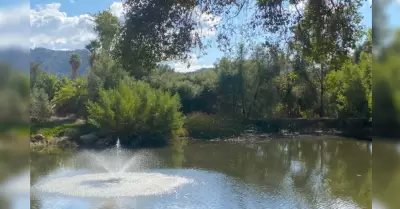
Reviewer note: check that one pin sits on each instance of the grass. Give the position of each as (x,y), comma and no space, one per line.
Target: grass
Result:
(61,128)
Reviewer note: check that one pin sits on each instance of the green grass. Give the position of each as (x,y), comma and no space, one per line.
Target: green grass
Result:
(61,128)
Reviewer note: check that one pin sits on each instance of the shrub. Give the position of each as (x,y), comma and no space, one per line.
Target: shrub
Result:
(204,126)
(137,113)
(40,108)
(72,98)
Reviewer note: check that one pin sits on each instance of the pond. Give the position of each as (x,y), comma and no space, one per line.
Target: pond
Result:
(14,173)
(284,173)
(386,174)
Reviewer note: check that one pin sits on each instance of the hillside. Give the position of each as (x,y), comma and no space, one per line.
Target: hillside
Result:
(57,62)
(17,58)
(53,61)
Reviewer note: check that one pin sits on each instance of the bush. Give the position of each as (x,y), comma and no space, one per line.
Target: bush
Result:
(137,114)
(204,126)
(71,98)
(40,109)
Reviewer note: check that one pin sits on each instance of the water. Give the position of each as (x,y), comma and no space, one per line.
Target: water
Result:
(14,174)
(386,174)
(307,173)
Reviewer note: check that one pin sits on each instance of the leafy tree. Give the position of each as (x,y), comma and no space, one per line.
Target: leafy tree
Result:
(105,73)
(107,27)
(75,62)
(40,108)
(137,113)
(71,98)
(93,47)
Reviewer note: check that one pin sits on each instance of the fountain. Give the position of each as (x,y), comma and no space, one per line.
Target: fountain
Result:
(115,178)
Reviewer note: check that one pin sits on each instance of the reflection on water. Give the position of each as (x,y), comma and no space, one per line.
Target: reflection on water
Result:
(386,178)
(308,173)
(14,173)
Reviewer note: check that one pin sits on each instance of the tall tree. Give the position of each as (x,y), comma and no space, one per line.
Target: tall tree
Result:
(325,36)
(107,27)
(93,47)
(75,62)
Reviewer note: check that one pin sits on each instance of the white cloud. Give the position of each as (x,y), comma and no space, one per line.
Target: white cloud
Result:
(207,23)
(193,63)
(72,1)
(117,9)
(14,26)
(53,29)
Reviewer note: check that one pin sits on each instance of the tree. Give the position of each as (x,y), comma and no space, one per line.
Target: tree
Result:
(40,108)
(325,35)
(75,62)
(93,47)
(105,74)
(137,113)
(107,27)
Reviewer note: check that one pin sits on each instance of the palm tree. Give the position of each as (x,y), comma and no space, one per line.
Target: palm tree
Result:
(75,61)
(93,47)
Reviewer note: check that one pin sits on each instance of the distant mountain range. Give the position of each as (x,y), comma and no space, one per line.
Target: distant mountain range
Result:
(57,62)
(53,61)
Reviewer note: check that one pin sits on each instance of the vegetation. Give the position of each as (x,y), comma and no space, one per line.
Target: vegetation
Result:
(14,108)
(127,94)
(134,109)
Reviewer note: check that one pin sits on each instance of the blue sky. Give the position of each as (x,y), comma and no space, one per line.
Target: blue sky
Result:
(65,24)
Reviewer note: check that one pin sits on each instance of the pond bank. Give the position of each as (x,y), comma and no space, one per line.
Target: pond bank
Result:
(77,134)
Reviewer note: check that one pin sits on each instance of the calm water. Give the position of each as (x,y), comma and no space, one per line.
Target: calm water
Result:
(305,173)
(14,173)
(386,174)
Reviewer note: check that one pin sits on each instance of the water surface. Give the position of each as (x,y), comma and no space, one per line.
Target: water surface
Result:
(386,174)
(306,173)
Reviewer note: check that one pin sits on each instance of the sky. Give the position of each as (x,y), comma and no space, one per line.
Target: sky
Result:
(66,25)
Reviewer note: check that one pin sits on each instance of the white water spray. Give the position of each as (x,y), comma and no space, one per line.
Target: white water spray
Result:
(121,175)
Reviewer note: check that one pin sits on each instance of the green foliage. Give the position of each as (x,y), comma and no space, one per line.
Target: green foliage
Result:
(62,128)
(75,61)
(40,108)
(105,73)
(347,88)
(196,91)
(107,26)
(204,126)
(93,47)
(135,111)
(14,93)
(71,98)
(44,80)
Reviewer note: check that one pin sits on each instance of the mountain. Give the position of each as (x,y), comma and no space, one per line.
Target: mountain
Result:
(16,58)
(57,62)
(53,61)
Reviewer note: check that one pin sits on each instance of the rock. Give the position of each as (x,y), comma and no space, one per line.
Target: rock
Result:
(38,137)
(88,139)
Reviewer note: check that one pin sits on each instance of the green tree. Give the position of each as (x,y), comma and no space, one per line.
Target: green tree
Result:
(105,73)
(107,27)
(40,108)
(137,114)
(75,61)
(71,98)
(93,47)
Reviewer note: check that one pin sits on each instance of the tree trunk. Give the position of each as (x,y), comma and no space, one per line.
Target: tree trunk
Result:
(74,74)
(321,111)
